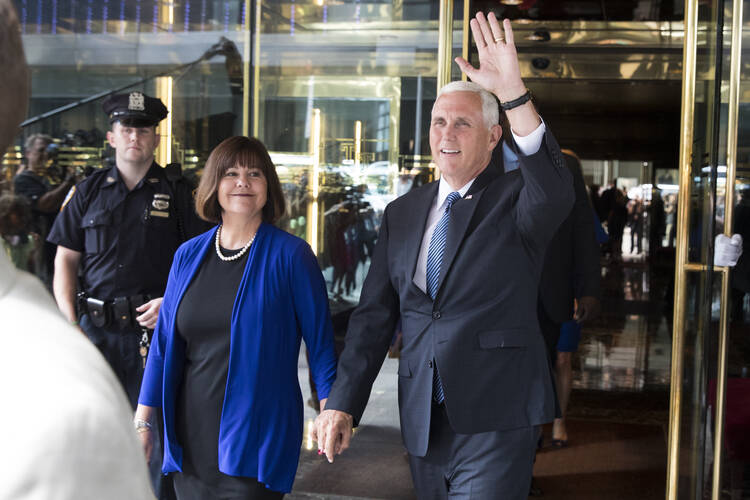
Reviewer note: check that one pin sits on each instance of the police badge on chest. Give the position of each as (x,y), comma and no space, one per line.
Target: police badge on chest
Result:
(159,206)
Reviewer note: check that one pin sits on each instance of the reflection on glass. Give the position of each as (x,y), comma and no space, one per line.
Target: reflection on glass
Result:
(364,72)
(736,449)
(706,218)
(329,76)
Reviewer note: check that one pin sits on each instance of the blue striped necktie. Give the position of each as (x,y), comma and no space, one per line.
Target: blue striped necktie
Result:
(434,263)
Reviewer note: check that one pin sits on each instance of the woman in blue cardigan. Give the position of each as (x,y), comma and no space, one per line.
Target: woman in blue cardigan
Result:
(223,360)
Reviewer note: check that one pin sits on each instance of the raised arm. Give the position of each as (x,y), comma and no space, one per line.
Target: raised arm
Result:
(547,194)
(499,71)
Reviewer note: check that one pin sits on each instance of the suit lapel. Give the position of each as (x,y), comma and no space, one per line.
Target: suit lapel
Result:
(461,215)
(418,221)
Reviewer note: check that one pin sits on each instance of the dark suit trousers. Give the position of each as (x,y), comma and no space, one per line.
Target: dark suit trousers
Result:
(487,465)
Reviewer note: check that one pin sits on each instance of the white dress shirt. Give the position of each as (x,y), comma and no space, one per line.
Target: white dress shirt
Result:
(528,145)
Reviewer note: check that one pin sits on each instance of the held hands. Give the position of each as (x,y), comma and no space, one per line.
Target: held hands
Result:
(333,432)
(150,314)
(498,70)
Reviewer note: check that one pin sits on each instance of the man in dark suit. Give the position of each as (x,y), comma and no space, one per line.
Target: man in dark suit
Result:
(458,261)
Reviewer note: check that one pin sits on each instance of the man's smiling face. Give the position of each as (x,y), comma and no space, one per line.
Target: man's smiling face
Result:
(460,141)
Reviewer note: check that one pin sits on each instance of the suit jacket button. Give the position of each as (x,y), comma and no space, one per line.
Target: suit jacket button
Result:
(436,315)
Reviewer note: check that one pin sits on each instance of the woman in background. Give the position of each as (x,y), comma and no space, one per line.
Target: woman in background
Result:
(223,361)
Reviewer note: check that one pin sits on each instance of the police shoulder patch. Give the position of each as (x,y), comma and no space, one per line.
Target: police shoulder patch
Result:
(68,197)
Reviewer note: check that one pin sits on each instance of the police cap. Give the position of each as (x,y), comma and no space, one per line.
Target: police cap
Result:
(134,109)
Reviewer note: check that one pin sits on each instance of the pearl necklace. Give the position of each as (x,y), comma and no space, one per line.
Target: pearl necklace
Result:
(235,256)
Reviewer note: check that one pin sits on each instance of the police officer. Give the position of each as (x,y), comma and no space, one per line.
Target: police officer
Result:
(117,231)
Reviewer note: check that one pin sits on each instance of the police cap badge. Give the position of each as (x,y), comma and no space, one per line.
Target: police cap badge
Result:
(135,109)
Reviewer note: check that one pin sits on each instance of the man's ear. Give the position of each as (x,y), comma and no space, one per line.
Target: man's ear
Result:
(111,138)
(496,133)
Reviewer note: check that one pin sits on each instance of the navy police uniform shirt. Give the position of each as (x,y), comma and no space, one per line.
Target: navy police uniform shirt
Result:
(127,238)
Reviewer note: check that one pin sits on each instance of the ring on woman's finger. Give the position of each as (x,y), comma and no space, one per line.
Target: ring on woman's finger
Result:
(499,39)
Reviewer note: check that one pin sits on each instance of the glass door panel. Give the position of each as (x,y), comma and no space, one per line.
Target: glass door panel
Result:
(703,305)
(345,91)
(735,455)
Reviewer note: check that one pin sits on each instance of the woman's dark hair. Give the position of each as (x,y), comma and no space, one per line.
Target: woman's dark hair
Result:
(245,152)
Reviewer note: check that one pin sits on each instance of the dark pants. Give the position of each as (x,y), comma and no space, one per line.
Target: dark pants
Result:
(121,349)
(484,466)
(189,487)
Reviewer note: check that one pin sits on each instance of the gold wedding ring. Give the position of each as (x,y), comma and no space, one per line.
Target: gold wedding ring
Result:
(499,39)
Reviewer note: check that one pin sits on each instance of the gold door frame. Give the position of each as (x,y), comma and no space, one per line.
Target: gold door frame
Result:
(445,42)
(683,266)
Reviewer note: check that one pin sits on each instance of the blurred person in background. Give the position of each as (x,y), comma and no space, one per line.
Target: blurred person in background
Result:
(657,223)
(33,183)
(635,221)
(15,219)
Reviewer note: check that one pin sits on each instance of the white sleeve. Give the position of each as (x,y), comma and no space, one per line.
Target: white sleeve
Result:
(531,143)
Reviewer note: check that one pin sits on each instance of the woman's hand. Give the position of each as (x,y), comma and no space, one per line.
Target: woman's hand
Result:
(147,442)
(143,422)
(150,314)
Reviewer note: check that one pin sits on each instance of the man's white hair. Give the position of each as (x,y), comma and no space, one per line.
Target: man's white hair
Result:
(490,109)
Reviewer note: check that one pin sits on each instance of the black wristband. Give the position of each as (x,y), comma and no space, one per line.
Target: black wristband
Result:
(516,102)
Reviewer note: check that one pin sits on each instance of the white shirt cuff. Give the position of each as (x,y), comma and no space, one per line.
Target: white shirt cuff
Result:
(531,143)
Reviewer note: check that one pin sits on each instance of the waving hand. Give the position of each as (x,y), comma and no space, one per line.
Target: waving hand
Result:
(498,70)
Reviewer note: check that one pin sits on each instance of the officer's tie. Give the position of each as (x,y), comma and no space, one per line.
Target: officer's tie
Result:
(434,263)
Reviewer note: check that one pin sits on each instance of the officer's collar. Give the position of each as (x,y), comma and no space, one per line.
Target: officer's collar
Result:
(111,177)
(153,176)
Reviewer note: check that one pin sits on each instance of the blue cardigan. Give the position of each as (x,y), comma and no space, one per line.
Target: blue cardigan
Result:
(281,299)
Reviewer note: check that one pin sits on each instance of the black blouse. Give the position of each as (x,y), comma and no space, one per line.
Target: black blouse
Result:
(203,322)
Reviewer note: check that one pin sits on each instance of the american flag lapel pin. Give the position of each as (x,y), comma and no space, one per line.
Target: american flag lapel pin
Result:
(468,196)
